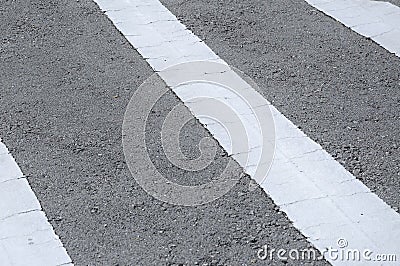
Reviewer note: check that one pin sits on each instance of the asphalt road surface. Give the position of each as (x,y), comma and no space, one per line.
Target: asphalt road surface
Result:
(67,75)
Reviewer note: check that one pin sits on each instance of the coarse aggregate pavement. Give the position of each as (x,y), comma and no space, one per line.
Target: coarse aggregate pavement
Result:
(68,75)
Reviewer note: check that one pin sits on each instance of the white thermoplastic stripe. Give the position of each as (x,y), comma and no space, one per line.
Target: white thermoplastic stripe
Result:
(26,237)
(377,20)
(324,201)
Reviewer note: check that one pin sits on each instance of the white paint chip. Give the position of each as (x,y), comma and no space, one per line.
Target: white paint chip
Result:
(26,237)
(324,201)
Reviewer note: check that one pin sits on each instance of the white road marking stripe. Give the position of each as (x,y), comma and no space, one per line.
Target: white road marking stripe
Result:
(230,100)
(324,201)
(26,237)
(377,20)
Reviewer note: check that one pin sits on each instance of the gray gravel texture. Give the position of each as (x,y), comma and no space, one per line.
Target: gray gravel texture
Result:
(340,88)
(66,78)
